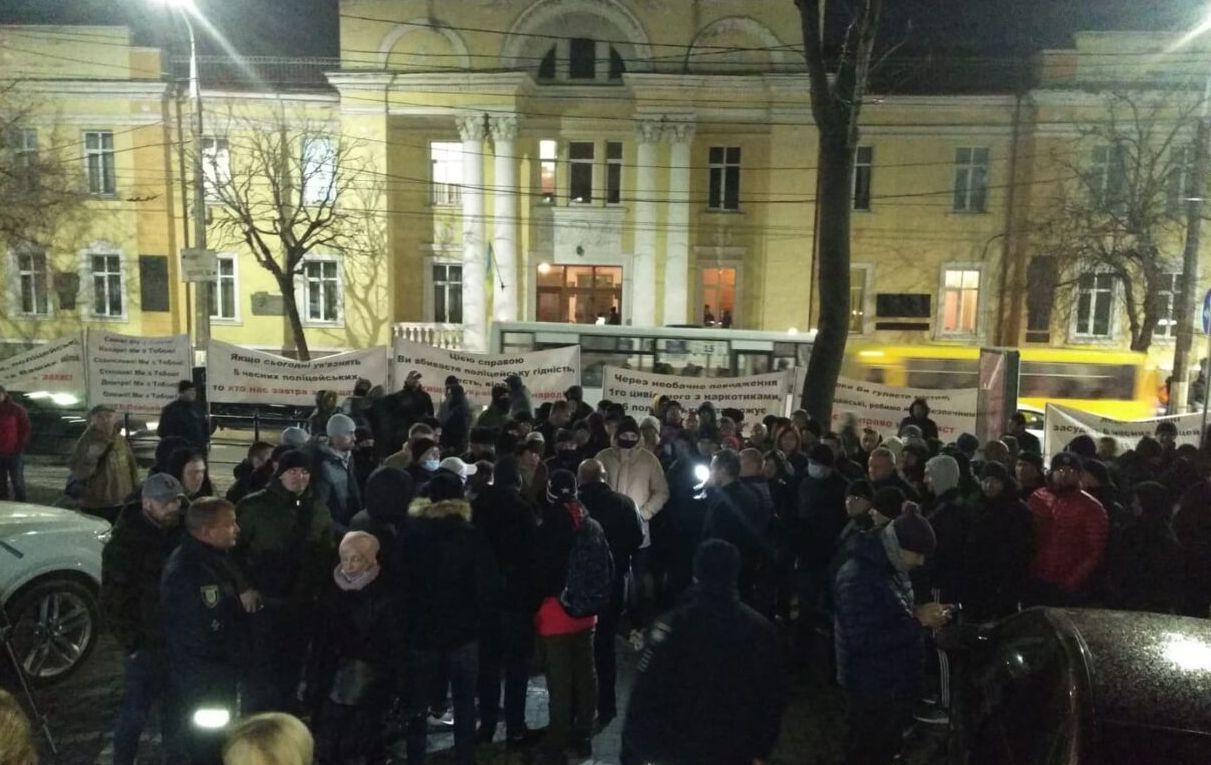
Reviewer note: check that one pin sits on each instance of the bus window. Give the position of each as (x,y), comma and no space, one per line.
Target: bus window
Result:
(942,374)
(752,362)
(1059,380)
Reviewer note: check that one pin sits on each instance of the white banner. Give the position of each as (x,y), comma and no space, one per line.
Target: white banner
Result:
(242,376)
(57,367)
(547,374)
(882,407)
(1061,424)
(136,374)
(756,395)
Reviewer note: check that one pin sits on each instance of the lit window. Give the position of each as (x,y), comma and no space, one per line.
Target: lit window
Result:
(223,292)
(960,301)
(1094,305)
(99,162)
(31,275)
(323,290)
(613,173)
(446,160)
(107,284)
(971,180)
(216,165)
(857,300)
(580,172)
(725,178)
(318,170)
(548,157)
(447,293)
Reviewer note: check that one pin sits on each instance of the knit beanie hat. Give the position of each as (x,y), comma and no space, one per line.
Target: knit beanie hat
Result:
(896,447)
(340,425)
(914,533)
(996,471)
(861,489)
(944,471)
(561,487)
(294,437)
(717,566)
(295,458)
(361,542)
(888,501)
(1100,472)
(444,485)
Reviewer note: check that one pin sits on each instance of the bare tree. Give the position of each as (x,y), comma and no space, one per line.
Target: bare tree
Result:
(836,105)
(1119,210)
(286,187)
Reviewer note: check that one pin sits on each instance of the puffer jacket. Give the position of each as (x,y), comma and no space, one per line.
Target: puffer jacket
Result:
(879,642)
(106,467)
(286,546)
(1070,533)
(637,473)
(447,575)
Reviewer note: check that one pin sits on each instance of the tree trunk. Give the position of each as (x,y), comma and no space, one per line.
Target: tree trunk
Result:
(1187,294)
(835,163)
(298,335)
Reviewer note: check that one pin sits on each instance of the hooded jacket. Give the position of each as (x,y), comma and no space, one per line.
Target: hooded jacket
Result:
(929,428)
(105,466)
(389,490)
(447,575)
(637,473)
(286,546)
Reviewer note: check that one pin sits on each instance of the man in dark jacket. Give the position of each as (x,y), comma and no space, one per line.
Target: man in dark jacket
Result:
(820,520)
(711,688)
(449,584)
(132,564)
(395,414)
(287,551)
(575,397)
(14,437)
(620,519)
(254,473)
(918,414)
(334,482)
(734,514)
(496,414)
(388,492)
(510,524)
(559,418)
(204,615)
(880,636)
(184,418)
(881,468)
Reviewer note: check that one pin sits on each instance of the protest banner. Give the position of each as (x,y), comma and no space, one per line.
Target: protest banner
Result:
(138,375)
(755,395)
(56,367)
(1061,424)
(237,375)
(882,407)
(547,374)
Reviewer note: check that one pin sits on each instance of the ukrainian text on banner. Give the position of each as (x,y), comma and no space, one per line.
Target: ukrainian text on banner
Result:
(136,374)
(57,367)
(1061,424)
(238,375)
(882,407)
(756,395)
(547,374)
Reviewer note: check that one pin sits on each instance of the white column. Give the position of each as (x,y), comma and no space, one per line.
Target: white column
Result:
(505,223)
(643,264)
(677,257)
(473,129)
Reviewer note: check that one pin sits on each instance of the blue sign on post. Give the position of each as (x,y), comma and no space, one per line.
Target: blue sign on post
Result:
(1207,313)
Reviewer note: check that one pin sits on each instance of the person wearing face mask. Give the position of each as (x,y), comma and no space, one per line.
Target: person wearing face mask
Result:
(132,563)
(426,458)
(285,550)
(1070,532)
(879,635)
(819,521)
(566,454)
(637,474)
(355,661)
(497,412)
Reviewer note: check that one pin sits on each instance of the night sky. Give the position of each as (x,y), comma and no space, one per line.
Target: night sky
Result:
(991,27)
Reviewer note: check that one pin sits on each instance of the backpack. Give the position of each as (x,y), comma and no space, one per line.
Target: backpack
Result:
(590,581)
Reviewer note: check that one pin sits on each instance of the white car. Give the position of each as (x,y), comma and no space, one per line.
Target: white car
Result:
(50,578)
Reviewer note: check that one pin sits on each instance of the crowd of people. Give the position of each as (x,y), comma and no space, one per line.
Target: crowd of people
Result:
(395,567)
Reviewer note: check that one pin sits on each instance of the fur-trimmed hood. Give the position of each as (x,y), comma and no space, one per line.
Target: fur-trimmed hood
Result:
(423,507)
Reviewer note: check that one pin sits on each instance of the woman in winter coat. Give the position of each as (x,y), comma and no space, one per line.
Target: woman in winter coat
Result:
(1145,565)
(455,421)
(355,657)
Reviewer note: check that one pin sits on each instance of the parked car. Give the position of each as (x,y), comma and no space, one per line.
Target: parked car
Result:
(50,578)
(1050,686)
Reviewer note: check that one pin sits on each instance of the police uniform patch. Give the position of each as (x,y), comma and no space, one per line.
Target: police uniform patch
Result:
(210,595)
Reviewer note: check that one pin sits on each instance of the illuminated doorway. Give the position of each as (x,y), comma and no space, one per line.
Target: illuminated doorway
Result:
(579,294)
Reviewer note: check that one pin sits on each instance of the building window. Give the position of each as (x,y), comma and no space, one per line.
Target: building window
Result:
(857,300)
(24,142)
(216,165)
(1094,305)
(1181,178)
(718,297)
(863,166)
(1041,275)
(960,301)
(725,178)
(548,158)
(580,172)
(580,294)
(99,162)
(319,170)
(1168,289)
(971,180)
(447,293)
(323,290)
(224,292)
(613,173)
(446,161)
(582,59)
(107,284)
(1107,175)
(32,282)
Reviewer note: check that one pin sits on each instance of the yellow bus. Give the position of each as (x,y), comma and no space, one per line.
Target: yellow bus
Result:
(1110,383)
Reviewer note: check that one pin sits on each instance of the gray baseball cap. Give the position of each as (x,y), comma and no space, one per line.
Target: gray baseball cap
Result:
(162,487)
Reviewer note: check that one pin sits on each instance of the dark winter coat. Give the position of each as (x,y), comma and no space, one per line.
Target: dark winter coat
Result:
(455,419)
(286,545)
(619,518)
(389,490)
(510,524)
(929,428)
(334,483)
(358,626)
(950,563)
(1145,568)
(555,536)
(184,419)
(821,517)
(735,514)
(879,642)
(999,546)
(711,687)
(1192,525)
(132,564)
(447,576)
(248,481)
(395,414)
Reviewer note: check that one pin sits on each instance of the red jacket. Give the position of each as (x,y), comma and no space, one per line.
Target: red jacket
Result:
(14,428)
(1070,531)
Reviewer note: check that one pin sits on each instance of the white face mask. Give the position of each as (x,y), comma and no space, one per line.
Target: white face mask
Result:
(816,470)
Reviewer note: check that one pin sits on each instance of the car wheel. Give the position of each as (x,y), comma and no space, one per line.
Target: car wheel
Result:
(55,625)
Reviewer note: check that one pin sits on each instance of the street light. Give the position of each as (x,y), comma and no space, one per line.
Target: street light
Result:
(185,9)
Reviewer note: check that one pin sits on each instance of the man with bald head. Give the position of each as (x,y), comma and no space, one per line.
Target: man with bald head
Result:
(619,518)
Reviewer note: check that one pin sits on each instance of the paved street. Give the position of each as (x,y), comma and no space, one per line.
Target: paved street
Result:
(80,711)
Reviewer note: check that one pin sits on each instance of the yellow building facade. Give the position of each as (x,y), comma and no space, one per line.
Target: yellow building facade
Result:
(575,160)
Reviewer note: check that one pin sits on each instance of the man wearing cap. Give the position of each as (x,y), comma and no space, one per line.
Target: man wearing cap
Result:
(184,417)
(14,437)
(132,563)
(1070,532)
(698,700)
(880,635)
(286,550)
(102,466)
(335,480)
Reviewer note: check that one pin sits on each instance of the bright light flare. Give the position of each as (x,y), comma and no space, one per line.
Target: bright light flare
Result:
(211,718)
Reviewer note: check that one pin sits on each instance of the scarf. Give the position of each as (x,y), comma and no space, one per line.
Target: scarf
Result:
(352,584)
